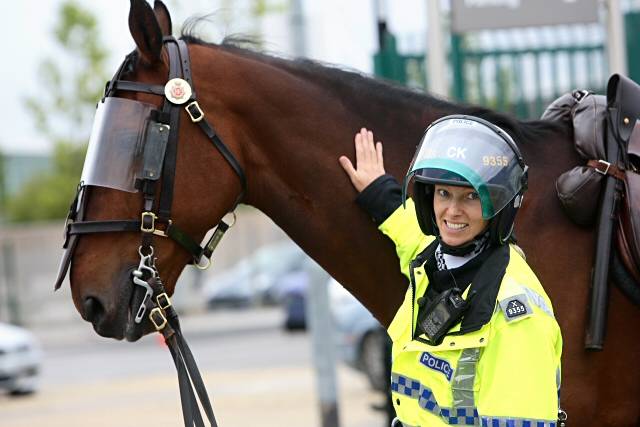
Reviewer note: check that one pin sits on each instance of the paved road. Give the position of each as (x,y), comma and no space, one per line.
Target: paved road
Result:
(257,374)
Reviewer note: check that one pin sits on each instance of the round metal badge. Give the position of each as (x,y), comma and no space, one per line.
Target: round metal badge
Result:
(177,91)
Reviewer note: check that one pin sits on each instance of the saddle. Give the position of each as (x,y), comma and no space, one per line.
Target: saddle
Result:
(580,188)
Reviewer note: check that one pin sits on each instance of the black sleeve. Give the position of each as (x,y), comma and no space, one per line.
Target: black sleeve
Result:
(380,198)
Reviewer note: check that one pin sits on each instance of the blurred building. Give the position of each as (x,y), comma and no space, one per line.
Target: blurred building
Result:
(515,70)
(17,169)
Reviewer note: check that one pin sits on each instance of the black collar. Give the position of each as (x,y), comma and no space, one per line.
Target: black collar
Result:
(486,283)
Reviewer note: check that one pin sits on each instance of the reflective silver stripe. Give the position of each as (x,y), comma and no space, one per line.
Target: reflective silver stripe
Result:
(515,422)
(464,378)
(405,385)
(538,300)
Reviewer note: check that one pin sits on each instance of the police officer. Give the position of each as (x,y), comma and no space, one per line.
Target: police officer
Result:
(475,341)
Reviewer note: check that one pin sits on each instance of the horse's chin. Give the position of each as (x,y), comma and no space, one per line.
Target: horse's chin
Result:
(128,329)
(134,331)
(121,323)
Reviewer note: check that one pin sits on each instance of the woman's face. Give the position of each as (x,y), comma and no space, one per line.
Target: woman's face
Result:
(458,214)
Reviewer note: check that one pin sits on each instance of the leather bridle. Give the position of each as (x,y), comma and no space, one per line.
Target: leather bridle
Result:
(156,212)
(147,225)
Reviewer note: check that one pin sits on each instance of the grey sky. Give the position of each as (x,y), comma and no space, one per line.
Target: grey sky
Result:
(341,32)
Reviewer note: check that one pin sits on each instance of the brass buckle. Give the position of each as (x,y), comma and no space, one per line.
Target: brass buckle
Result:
(163,301)
(67,224)
(199,111)
(233,218)
(607,164)
(199,266)
(162,233)
(158,319)
(153,222)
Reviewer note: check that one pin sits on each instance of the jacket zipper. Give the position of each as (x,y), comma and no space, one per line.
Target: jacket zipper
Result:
(413,294)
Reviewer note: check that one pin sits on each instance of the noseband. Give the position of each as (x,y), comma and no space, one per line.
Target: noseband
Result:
(159,163)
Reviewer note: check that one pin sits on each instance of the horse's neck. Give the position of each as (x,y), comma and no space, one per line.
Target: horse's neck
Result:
(298,130)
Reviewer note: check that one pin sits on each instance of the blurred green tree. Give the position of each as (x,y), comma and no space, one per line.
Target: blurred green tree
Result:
(48,195)
(3,190)
(73,81)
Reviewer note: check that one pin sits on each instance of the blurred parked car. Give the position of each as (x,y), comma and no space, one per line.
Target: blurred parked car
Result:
(293,293)
(230,288)
(360,338)
(20,360)
(254,279)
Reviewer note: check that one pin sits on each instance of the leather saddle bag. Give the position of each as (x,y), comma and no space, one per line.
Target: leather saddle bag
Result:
(576,188)
(579,188)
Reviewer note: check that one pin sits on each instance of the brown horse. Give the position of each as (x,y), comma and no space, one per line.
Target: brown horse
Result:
(287,122)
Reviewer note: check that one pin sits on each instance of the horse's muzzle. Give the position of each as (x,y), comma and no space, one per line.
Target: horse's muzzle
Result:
(112,314)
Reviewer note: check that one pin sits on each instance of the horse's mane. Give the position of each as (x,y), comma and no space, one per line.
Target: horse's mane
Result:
(354,85)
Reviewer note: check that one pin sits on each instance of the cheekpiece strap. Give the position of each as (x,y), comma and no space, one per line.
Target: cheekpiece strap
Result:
(173,112)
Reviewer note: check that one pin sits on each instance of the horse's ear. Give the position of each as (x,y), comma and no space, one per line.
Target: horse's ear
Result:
(163,17)
(145,30)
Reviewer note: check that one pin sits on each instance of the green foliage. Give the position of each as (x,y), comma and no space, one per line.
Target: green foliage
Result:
(263,7)
(74,81)
(3,188)
(63,112)
(48,195)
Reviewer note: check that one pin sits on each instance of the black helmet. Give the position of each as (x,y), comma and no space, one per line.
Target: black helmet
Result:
(469,151)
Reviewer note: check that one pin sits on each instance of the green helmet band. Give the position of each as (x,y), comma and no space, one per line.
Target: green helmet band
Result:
(469,151)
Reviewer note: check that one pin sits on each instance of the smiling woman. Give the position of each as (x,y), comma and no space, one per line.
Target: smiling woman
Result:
(286,122)
(454,248)
(458,214)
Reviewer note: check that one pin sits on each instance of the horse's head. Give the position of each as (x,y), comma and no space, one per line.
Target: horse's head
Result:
(153,181)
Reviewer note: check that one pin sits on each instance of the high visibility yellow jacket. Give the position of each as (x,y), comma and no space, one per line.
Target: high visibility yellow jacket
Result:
(506,373)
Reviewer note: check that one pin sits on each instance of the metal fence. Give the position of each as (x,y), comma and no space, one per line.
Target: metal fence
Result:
(408,69)
(523,79)
(519,71)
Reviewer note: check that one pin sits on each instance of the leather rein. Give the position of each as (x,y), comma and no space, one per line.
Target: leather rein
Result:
(157,211)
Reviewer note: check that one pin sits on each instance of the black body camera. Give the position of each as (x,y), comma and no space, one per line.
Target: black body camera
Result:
(440,314)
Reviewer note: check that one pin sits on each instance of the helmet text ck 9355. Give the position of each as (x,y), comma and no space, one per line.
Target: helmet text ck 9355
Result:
(469,151)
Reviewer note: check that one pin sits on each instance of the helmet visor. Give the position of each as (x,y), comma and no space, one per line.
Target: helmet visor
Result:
(465,152)
(115,154)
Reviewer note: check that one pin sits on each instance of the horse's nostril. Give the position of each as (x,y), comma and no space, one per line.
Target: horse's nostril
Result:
(93,309)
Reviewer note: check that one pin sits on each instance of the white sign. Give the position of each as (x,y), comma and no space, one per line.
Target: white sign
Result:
(471,15)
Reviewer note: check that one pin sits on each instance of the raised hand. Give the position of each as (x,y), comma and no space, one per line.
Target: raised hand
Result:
(369,161)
